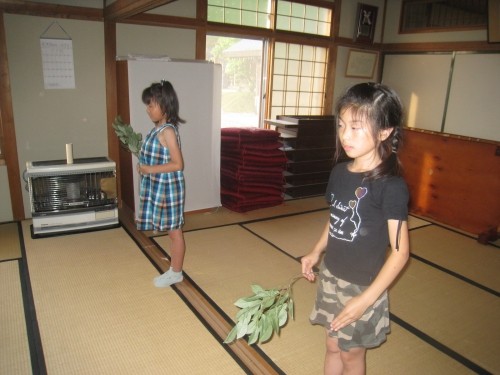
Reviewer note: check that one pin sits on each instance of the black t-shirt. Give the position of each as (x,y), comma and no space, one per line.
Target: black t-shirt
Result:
(359,210)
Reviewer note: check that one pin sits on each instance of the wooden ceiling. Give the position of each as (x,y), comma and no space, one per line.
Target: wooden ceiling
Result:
(121,9)
(118,10)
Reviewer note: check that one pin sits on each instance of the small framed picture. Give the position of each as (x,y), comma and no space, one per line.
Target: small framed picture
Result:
(361,64)
(365,26)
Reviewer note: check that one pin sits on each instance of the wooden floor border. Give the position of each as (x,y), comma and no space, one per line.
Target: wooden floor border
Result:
(248,355)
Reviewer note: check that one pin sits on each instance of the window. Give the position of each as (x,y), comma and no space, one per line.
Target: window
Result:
(303,18)
(445,15)
(242,76)
(297,70)
(298,86)
(254,13)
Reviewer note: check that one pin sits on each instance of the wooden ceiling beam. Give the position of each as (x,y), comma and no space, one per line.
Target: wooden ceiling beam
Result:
(31,8)
(122,9)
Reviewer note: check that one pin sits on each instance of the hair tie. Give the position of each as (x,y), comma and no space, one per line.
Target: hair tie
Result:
(162,82)
(395,141)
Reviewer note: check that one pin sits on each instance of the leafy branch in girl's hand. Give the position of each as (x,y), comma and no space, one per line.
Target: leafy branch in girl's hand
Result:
(263,313)
(131,140)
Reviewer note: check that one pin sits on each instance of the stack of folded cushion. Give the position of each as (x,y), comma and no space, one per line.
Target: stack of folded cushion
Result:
(252,166)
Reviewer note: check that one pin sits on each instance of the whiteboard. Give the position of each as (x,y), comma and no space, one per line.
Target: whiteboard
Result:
(474,102)
(198,87)
(421,80)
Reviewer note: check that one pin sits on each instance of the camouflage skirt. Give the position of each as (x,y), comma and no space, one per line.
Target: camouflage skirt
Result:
(333,293)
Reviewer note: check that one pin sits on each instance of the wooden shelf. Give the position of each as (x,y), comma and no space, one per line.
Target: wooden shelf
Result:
(309,145)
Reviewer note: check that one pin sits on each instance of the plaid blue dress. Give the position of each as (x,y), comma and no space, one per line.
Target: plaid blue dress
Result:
(161,194)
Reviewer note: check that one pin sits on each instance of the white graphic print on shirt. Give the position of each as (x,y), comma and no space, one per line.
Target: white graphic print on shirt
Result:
(344,218)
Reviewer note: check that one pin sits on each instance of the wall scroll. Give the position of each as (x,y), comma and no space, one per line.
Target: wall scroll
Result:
(57,60)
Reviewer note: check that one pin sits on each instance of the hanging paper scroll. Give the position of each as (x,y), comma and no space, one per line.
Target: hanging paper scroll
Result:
(57,61)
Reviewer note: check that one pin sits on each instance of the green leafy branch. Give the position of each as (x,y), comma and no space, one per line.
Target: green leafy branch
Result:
(131,140)
(263,313)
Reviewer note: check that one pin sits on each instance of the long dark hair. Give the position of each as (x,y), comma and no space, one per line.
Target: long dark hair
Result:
(164,94)
(381,107)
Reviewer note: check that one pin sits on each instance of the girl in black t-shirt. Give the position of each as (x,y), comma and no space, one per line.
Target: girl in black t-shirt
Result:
(368,211)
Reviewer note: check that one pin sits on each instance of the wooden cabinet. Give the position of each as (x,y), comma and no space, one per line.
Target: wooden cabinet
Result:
(309,145)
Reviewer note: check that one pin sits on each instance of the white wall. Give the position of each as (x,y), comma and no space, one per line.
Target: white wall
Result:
(421,81)
(473,108)
(155,41)
(348,24)
(456,95)
(45,120)
(5,204)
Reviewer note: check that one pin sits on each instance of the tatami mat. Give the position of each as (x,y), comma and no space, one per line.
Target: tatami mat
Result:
(415,222)
(99,313)
(225,261)
(14,348)
(453,312)
(405,353)
(9,243)
(459,254)
(223,216)
(297,234)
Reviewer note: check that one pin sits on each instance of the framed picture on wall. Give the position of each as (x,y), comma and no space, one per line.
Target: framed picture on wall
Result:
(361,64)
(365,25)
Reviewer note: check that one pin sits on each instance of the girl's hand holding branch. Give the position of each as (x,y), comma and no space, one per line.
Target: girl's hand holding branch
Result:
(308,262)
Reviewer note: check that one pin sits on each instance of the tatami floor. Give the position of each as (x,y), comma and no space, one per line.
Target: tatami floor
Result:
(85,304)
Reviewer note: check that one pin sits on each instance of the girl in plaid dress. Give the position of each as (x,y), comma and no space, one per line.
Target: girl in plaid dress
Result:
(162,179)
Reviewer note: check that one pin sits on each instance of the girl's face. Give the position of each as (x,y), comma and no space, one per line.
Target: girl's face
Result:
(356,138)
(155,113)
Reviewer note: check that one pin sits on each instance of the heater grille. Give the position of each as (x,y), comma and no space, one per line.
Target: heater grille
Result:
(64,192)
